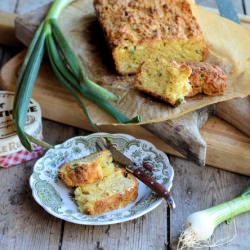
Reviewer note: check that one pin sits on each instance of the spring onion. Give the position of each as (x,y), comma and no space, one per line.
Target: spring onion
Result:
(49,39)
(201,225)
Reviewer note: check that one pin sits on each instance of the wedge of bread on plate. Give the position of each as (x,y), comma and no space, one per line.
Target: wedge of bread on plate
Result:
(89,169)
(146,29)
(113,192)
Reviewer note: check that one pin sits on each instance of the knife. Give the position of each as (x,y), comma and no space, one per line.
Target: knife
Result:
(227,10)
(104,143)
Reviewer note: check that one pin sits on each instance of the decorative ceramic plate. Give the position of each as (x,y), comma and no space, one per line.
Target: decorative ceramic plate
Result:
(57,199)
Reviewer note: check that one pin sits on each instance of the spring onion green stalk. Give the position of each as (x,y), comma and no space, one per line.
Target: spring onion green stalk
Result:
(67,68)
(201,225)
(74,64)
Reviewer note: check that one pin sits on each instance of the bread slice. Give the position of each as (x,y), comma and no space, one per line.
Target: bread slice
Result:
(86,170)
(165,80)
(146,29)
(114,191)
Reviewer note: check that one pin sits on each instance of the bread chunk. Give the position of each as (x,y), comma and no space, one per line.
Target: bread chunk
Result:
(165,80)
(208,79)
(114,191)
(137,30)
(86,170)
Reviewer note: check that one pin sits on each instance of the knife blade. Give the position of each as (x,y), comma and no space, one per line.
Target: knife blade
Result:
(130,166)
(227,10)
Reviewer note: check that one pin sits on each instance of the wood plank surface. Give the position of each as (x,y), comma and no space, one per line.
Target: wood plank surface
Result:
(26,226)
(23,223)
(8,5)
(25,6)
(146,233)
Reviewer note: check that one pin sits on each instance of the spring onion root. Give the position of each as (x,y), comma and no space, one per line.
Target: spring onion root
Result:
(49,39)
(200,226)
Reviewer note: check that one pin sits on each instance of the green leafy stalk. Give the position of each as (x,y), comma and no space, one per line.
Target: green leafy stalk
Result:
(57,7)
(24,91)
(230,209)
(73,62)
(29,52)
(62,74)
(39,142)
(109,108)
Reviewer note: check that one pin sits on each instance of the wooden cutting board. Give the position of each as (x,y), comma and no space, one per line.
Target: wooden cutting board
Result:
(228,148)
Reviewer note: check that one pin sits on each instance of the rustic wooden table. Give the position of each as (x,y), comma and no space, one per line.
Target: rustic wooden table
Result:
(25,225)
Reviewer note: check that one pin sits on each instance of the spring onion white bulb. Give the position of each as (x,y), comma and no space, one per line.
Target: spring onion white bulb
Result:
(200,225)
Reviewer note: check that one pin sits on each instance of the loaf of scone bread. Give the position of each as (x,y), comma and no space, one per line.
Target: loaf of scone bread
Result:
(137,30)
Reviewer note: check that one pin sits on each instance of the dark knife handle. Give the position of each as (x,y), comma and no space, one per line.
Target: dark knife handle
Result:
(154,185)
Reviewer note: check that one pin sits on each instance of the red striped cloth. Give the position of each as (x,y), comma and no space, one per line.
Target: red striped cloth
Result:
(20,157)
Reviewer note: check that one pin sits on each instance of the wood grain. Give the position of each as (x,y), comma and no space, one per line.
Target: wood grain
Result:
(230,110)
(8,5)
(7,20)
(26,6)
(146,233)
(23,223)
(7,27)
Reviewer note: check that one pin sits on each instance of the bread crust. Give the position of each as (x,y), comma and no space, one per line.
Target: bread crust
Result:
(84,174)
(113,201)
(139,86)
(116,201)
(119,18)
(77,173)
(147,22)
(207,78)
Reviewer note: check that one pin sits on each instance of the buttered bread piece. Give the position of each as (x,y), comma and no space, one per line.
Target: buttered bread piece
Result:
(137,30)
(114,191)
(165,80)
(86,170)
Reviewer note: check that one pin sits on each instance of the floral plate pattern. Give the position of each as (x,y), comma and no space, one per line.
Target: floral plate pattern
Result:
(57,199)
